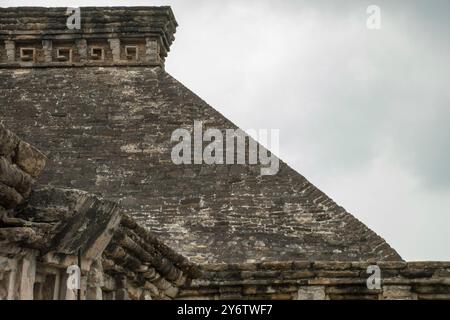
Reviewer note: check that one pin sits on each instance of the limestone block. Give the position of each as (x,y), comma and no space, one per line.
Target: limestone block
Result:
(96,276)
(12,285)
(151,288)
(146,295)
(166,287)
(122,294)
(298,274)
(331,265)
(20,234)
(94,293)
(398,292)
(434,297)
(311,293)
(81,45)
(276,265)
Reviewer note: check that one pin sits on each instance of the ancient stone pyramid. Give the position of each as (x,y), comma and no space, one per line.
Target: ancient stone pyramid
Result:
(100,104)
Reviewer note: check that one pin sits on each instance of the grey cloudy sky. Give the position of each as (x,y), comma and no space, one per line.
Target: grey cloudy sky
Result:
(363,113)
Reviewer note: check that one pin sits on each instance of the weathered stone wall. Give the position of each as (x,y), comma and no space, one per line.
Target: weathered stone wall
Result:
(320,280)
(108,131)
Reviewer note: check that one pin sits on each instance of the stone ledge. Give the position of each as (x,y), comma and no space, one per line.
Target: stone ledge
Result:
(334,280)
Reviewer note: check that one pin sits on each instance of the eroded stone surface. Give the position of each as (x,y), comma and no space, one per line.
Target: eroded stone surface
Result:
(109,36)
(107,130)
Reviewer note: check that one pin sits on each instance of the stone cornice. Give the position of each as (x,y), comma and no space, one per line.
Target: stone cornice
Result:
(147,32)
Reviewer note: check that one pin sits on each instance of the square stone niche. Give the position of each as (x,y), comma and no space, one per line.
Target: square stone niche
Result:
(97,53)
(64,54)
(28,54)
(132,53)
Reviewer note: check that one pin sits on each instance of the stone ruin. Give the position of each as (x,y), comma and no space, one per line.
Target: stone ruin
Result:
(99,105)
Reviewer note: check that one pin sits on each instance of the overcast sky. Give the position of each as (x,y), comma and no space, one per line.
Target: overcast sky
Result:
(363,114)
